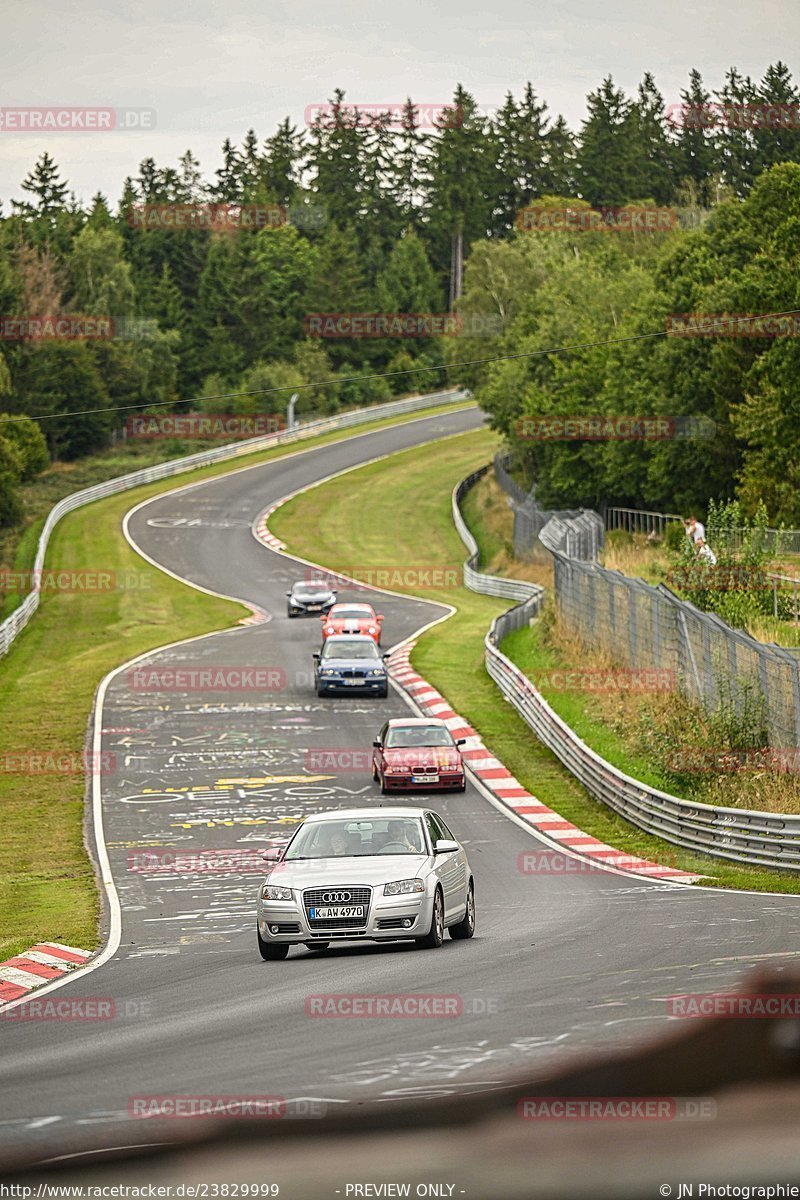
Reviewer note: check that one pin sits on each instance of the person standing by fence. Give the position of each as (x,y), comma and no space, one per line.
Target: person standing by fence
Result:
(696,530)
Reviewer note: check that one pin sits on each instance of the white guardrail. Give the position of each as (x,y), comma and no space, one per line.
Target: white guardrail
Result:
(16,622)
(742,835)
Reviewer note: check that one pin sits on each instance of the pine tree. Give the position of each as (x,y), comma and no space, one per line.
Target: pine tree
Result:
(740,158)
(777,131)
(45,184)
(461,171)
(230,184)
(697,154)
(281,163)
(607,151)
(559,175)
(654,163)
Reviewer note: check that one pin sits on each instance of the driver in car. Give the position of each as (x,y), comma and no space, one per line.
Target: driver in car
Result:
(406,835)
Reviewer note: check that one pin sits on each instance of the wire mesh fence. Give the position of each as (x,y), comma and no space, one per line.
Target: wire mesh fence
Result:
(714,665)
(650,628)
(576,532)
(637,520)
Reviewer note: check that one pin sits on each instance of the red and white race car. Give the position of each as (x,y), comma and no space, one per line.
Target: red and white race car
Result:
(417,753)
(352,618)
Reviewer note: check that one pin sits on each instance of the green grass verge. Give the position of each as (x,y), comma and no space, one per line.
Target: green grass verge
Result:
(319,525)
(47,685)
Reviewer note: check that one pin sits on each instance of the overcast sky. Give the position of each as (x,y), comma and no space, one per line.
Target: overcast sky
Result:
(212,69)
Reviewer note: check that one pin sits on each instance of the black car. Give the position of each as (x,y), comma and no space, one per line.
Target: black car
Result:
(310,597)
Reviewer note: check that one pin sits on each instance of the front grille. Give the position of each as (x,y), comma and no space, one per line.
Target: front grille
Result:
(313,898)
(391,922)
(353,673)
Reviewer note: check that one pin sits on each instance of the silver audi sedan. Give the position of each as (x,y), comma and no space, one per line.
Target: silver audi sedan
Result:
(366,874)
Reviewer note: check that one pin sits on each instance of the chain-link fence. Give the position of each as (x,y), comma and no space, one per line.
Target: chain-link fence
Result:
(651,628)
(637,520)
(576,532)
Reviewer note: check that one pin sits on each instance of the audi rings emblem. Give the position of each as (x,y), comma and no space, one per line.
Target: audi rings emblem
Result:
(335,897)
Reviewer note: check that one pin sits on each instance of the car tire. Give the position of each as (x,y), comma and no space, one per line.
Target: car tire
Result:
(382,695)
(272,951)
(466,927)
(384,788)
(375,775)
(463,787)
(434,938)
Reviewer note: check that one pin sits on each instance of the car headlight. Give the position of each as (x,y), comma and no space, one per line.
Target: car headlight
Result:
(328,671)
(372,629)
(330,629)
(377,671)
(398,770)
(403,887)
(270,892)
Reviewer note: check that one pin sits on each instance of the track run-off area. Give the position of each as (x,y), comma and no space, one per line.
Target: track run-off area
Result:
(561,964)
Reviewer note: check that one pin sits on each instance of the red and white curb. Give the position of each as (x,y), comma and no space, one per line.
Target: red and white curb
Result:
(261,530)
(502,785)
(41,964)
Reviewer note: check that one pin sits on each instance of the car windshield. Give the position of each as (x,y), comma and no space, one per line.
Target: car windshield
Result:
(351,614)
(406,736)
(358,838)
(311,589)
(350,648)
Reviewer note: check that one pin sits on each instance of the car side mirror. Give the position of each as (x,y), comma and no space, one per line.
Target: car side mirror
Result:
(288,593)
(272,854)
(385,656)
(445,846)
(315,655)
(379,616)
(377,743)
(461,741)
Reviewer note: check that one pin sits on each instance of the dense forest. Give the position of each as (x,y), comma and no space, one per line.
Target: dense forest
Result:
(370,208)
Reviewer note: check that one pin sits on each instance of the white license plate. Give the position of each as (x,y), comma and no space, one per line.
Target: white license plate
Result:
(313,607)
(353,682)
(424,778)
(338,910)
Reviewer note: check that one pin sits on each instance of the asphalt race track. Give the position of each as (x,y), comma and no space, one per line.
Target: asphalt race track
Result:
(560,964)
